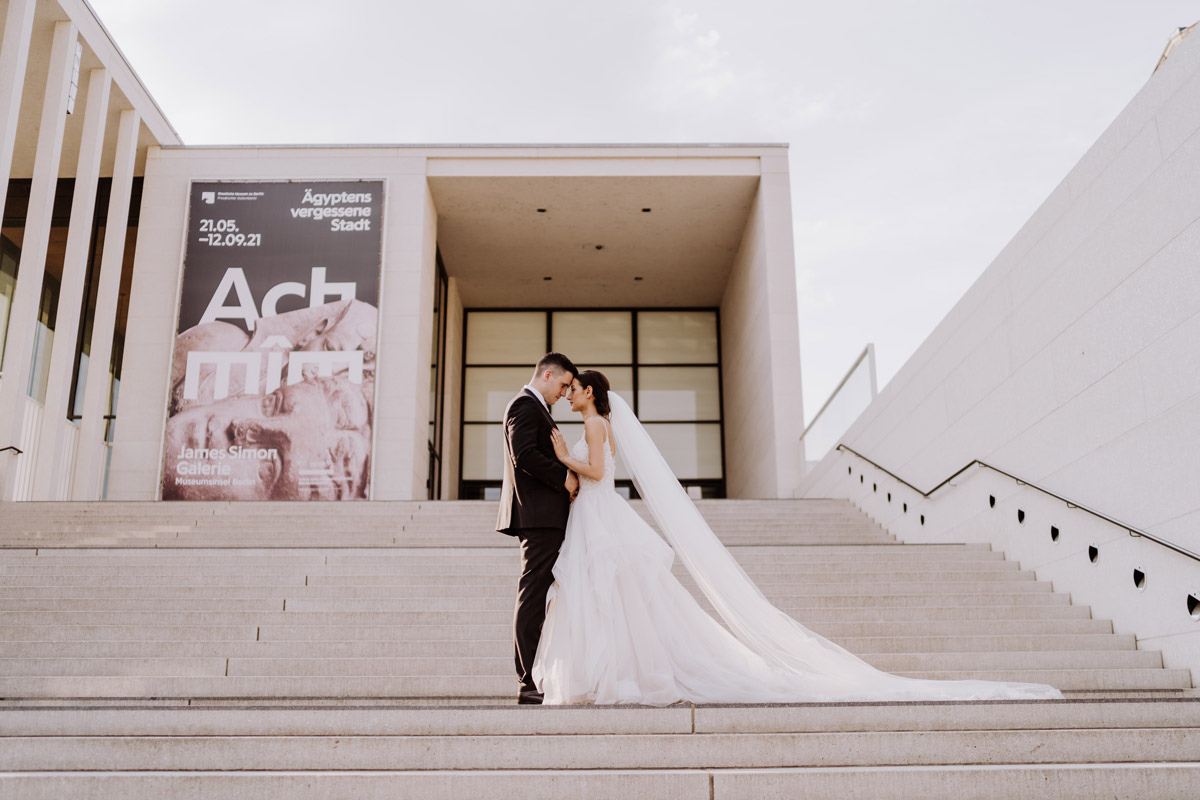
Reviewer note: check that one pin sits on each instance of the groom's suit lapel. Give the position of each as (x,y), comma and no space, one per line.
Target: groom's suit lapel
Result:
(542,406)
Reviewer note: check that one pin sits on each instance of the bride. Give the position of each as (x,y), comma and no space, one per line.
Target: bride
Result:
(620,628)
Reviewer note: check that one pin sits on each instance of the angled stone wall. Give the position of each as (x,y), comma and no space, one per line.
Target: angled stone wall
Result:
(1073,362)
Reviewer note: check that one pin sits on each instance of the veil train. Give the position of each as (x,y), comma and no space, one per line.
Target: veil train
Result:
(820,669)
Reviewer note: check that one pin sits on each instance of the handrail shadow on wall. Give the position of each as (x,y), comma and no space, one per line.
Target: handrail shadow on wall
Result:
(1020,481)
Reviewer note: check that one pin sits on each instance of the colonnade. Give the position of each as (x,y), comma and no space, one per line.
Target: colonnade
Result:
(58,459)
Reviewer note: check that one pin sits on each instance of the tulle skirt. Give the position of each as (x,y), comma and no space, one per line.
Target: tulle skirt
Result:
(620,628)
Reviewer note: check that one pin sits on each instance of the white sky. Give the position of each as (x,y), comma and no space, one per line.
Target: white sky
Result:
(923,133)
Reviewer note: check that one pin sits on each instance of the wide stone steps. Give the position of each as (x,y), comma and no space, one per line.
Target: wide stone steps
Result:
(442,598)
(801,574)
(1065,781)
(499,687)
(490,689)
(310,604)
(584,751)
(488,666)
(438,539)
(938,750)
(363,650)
(961,624)
(466,524)
(384,718)
(757,565)
(140,648)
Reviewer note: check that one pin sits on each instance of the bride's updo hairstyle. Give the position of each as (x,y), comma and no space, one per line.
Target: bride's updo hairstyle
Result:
(596,381)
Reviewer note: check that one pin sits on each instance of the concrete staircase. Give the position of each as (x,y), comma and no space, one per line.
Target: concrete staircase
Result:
(364,650)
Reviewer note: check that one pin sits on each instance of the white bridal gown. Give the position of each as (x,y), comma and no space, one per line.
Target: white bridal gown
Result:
(620,628)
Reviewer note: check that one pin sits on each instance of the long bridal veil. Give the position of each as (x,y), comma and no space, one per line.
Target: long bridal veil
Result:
(812,667)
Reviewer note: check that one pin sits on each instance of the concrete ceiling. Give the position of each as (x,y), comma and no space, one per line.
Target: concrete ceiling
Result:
(593,239)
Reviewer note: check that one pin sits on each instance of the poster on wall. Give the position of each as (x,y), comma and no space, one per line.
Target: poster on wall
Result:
(273,378)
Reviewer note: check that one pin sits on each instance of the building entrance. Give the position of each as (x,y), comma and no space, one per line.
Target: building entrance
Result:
(663,362)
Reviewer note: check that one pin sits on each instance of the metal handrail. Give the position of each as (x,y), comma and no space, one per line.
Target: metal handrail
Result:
(1137,532)
(14,448)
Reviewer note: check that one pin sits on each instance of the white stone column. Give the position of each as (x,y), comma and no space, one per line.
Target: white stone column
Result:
(23,316)
(88,465)
(67,321)
(400,454)
(14,55)
(783,337)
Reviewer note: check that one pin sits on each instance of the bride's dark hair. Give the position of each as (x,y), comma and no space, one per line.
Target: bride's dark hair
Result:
(590,378)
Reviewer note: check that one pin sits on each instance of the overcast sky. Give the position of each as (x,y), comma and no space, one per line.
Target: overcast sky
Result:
(923,133)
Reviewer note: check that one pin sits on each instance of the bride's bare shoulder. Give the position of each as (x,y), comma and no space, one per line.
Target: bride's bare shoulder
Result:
(596,429)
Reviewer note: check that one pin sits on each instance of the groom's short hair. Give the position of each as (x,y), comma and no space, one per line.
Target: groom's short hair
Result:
(557,362)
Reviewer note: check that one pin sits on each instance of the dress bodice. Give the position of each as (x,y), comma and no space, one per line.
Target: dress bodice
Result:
(580,452)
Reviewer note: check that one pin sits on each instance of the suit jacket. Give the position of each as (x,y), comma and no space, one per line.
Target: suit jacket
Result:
(533,494)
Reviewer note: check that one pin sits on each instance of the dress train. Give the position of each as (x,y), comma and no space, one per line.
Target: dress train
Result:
(621,628)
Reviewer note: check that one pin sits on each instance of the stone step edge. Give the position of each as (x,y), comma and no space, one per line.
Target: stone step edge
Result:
(138,544)
(422,700)
(1088,714)
(468,702)
(257,760)
(712,782)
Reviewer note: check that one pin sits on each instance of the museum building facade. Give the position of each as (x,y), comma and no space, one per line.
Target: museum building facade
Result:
(348,322)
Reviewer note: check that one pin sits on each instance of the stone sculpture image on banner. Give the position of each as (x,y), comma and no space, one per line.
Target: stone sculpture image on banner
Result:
(272,384)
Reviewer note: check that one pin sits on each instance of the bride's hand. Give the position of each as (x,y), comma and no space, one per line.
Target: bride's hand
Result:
(560,444)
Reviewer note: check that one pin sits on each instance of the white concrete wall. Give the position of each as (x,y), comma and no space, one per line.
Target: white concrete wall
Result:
(401,412)
(760,349)
(1073,362)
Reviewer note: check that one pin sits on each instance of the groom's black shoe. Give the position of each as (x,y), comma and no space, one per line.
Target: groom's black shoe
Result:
(529,699)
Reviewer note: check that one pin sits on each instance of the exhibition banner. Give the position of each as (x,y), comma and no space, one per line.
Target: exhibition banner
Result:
(273,379)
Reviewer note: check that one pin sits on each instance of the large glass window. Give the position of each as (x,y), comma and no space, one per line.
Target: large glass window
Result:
(483,453)
(665,363)
(487,390)
(506,337)
(593,337)
(9,255)
(43,339)
(42,342)
(15,209)
(87,316)
(677,337)
(679,393)
(692,450)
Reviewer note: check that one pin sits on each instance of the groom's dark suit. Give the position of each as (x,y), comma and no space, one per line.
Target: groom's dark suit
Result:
(534,504)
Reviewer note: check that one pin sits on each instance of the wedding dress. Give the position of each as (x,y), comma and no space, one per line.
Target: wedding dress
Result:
(620,628)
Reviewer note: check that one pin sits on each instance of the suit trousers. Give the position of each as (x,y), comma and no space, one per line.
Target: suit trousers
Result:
(539,551)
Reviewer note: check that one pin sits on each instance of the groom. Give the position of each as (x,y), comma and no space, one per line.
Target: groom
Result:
(534,502)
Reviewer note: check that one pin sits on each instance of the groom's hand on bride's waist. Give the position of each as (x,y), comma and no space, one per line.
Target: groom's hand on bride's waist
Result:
(572,484)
